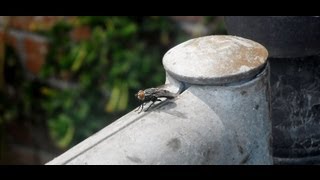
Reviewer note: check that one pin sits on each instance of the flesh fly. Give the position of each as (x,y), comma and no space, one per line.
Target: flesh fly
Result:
(153,95)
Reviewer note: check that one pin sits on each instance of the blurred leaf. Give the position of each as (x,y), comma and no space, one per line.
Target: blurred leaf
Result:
(48,91)
(85,80)
(164,38)
(123,100)
(83,110)
(82,53)
(61,130)
(133,83)
(129,29)
(114,99)
(67,104)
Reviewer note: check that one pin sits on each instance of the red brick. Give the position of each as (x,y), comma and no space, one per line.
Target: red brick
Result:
(44,22)
(33,23)
(8,38)
(80,33)
(11,40)
(34,44)
(34,63)
(35,51)
(20,22)
(2,41)
(2,35)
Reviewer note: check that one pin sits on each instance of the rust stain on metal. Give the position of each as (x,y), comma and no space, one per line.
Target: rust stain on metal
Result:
(174,144)
(215,56)
(229,55)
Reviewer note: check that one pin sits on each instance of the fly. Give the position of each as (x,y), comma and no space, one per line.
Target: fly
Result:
(153,94)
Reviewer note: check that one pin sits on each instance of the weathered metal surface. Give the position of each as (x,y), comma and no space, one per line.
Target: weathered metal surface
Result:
(294,47)
(215,60)
(205,124)
(296,109)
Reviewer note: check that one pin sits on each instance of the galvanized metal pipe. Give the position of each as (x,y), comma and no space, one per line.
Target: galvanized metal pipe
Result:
(221,117)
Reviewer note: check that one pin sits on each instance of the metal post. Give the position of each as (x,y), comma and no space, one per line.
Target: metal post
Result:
(220,117)
(294,46)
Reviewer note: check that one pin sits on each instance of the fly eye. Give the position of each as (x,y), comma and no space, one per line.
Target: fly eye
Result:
(140,95)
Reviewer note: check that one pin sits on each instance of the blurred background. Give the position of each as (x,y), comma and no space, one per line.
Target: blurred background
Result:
(63,78)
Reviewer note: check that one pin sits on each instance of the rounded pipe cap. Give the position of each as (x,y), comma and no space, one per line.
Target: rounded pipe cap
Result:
(215,60)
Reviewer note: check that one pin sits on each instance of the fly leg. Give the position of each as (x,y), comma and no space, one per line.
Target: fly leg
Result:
(141,106)
(153,103)
(137,109)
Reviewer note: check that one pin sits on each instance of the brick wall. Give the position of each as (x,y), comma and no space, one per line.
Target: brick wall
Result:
(27,143)
(21,33)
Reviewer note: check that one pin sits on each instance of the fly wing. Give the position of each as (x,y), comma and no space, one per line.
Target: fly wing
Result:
(158,92)
(150,91)
(173,88)
(166,94)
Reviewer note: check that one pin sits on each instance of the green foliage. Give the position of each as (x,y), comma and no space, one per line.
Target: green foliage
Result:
(122,55)
(86,84)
